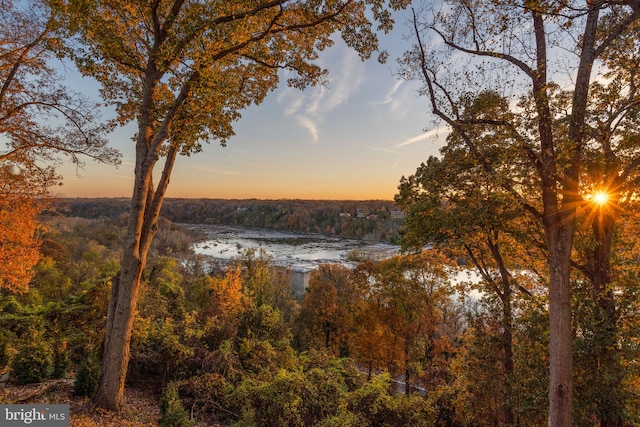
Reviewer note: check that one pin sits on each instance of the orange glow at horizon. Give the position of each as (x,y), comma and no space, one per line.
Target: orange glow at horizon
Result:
(187,186)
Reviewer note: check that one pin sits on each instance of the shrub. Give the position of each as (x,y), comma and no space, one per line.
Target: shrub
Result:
(373,402)
(86,379)
(33,363)
(280,401)
(172,412)
(211,397)
(61,361)
(4,351)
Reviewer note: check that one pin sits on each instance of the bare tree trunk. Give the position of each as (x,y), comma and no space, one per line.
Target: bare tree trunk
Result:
(559,224)
(560,332)
(115,359)
(142,227)
(122,305)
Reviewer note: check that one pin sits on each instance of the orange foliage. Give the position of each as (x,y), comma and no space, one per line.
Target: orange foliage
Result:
(375,343)
(227,299)
(19,242)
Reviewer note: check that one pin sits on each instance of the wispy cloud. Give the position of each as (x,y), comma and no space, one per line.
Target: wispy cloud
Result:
(312,106)
(400,151)
(309,125)
(399,98)
(345,78)
(389,98)
(418,138)
(294,106)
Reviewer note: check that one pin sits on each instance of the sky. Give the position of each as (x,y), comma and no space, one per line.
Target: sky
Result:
(352,139)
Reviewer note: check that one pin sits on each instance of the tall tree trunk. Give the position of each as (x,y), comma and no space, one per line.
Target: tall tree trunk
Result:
(607,356)
(115,359)
(507,340)
(142,227)
(559,208)
(407,370)
(124,297)
(505,295)
(559,224)
(560,332)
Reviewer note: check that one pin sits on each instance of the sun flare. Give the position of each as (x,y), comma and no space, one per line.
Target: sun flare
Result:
(600,198)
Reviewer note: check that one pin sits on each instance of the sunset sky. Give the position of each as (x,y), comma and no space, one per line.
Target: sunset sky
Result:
(353,139)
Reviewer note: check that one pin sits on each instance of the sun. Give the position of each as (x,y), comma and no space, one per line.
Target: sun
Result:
(600,198)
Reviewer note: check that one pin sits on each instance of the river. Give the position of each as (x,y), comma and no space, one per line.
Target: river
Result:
(297,251)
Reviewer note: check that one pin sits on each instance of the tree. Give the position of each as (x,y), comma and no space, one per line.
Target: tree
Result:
(404,327)
(452,204)
(39,120)
(183,70)
(328,310)
(499,37)
(19,240)
(419,292)
(264,284)
(610,178)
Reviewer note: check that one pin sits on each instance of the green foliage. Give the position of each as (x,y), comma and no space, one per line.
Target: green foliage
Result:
(532,363)
(10,305)
(4,351)
(164,295)
(158,351)
(172,412)
(373,402)
(326,396)
(80,319)
(212,397)
(480,377)
(280,401)
(86,378)
(18,320)
(263,341)
(61,361)
(342,419)
(265,286)
(375,405)
(34,362)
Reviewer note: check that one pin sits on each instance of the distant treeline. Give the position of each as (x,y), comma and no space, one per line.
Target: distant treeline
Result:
(370,219)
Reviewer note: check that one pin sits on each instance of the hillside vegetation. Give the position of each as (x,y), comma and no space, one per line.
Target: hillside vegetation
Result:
(390,343)
(374,219)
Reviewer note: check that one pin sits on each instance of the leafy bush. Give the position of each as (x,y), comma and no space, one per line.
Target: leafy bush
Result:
(375,404)
(61,361)
(212,398)
(86,379)
(172,412)
(10,305)
(280,402)
(4,351)
(33,363)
